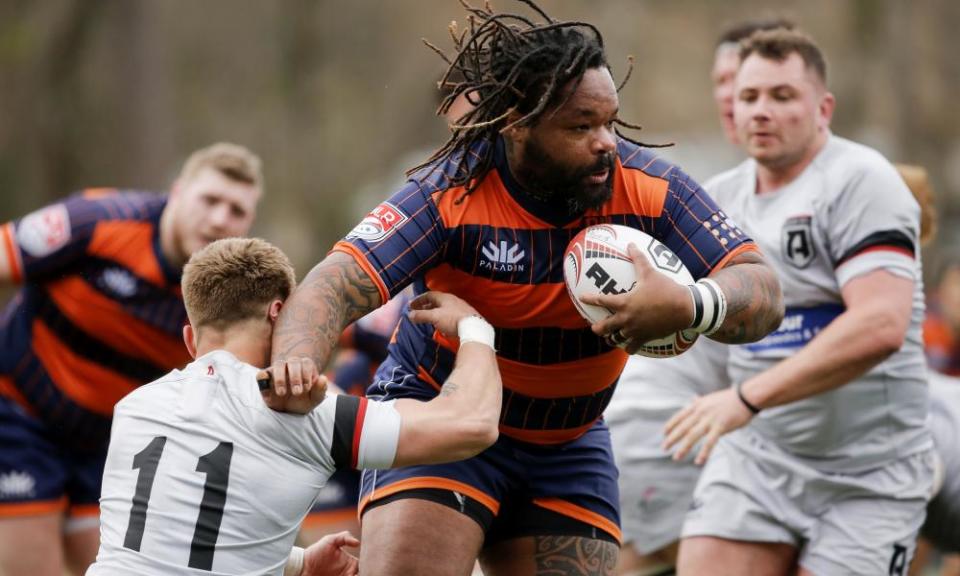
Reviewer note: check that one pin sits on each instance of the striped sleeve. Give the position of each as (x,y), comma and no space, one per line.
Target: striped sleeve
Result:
(365,433)
(400,239)
(874,223)
(696,229)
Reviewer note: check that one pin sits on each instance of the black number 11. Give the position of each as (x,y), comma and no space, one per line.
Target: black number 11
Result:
(216,466)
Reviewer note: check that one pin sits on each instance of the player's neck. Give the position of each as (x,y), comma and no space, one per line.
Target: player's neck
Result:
(247,345)
(774,177)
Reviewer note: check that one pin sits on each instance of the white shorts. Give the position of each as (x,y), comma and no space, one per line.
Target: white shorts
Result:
(863,523)
(655,491)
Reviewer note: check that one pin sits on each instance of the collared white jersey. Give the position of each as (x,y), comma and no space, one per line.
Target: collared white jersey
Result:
(848,213)
(202,478)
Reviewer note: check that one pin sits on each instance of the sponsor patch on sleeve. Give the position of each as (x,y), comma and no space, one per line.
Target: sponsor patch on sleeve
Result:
(379,223)
(45,231)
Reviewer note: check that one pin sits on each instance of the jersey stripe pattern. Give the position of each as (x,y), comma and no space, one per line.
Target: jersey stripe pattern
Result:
(100,312)
(502,252)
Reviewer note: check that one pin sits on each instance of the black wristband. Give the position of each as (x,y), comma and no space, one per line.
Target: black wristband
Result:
(752,408)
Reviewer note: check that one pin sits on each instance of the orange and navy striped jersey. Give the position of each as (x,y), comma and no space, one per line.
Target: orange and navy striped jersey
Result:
(99,313)
(502,251)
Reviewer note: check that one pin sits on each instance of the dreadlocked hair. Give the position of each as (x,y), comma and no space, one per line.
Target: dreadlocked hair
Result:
(506,64)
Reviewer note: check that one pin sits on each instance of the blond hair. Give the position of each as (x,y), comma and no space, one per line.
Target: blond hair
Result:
(232,160)
(919,183)
(233,280)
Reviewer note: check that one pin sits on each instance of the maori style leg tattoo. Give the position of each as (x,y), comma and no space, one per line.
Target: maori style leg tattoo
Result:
(574,556)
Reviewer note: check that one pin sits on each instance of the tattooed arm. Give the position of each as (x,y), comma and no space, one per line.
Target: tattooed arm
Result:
(462,420)
(754,300)
(335,293)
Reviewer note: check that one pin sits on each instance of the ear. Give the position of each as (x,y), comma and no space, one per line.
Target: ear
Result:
(190,339)
(828,104)
(273,311)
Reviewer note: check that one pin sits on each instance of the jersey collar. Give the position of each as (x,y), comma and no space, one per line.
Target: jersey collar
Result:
(551,212)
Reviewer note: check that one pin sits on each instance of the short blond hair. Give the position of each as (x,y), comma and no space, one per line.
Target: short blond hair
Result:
(232,160)
(918,181)
(233,280)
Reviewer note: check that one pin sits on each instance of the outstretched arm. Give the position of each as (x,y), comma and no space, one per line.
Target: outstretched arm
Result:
(462,420)
(335,293)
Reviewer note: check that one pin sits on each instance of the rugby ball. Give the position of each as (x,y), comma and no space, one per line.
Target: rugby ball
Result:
(597,262)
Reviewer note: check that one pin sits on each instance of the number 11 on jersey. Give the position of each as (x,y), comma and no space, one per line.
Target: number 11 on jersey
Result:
(215,465)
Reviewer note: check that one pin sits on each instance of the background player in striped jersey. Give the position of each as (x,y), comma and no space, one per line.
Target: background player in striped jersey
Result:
(655,490)
(98,314)
(536,161)
(201,475)
(834,474)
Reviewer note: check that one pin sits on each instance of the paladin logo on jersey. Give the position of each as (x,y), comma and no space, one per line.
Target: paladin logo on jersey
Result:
(502,257)
(379,223)
(797,241)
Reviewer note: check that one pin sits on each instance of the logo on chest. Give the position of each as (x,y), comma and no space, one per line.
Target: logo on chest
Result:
(796,241)
(502,257)
(118,282)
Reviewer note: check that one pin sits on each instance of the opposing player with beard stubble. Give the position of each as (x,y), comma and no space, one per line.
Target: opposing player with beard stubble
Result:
(487,218)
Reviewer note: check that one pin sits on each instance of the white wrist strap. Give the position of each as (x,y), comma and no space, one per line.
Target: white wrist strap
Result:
(294,562)
(709,306)
(475,329)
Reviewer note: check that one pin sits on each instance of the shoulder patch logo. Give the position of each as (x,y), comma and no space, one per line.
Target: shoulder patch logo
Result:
(379,223)
(797,241)
(45,231)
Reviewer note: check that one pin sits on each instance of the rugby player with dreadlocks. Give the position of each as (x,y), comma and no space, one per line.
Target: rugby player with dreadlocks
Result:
(487,218)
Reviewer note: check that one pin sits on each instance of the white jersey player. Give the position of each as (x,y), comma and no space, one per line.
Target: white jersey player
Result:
(942,526)
(203,478)
(835,472)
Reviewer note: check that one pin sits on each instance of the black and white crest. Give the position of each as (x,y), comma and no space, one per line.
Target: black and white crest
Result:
(797,241)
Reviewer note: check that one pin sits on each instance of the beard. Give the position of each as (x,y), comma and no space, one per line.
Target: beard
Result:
(548,180)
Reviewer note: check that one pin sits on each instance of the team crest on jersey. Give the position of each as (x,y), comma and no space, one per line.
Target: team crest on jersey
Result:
(45,231)
(797,241)
(502,257)
(379,223)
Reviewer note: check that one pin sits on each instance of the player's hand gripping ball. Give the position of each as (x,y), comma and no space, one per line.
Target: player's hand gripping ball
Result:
(596,262)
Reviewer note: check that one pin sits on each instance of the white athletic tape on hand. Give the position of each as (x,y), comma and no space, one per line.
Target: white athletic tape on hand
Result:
(294,563)
(475,329)
(709,306)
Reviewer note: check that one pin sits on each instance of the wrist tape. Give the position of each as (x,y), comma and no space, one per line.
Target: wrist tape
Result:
(294,562)
(709,306)
(475,329)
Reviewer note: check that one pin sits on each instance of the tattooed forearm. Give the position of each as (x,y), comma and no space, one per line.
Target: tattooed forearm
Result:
(754,300)
(335,293)
(449,388)
(574,556)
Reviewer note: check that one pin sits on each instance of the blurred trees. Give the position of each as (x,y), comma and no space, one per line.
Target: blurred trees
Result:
(332,93)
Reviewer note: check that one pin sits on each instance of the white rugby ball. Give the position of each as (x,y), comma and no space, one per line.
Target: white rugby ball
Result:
(597,262)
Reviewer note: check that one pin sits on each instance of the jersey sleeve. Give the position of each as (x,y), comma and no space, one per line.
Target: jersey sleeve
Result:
(695,228)
(365,433)
(400,239)
(873,223)
(49,239)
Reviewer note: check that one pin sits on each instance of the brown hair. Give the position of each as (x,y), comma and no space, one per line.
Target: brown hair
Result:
(233,280)
(232,160)
(919,183)
(780,43)
(743,30)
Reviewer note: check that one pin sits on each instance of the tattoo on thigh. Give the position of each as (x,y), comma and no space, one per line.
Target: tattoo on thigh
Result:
(574,556)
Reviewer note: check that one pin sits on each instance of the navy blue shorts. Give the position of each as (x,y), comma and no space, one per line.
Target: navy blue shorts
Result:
(38,475)
(565,489)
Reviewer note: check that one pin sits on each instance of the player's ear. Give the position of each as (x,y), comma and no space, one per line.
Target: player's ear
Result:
(190,339)
(273,311)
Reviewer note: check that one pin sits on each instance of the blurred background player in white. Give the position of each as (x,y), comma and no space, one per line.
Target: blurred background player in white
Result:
(655,490)
(202,476)
(835,468)
(98,314)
